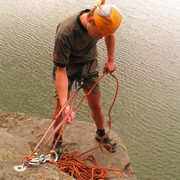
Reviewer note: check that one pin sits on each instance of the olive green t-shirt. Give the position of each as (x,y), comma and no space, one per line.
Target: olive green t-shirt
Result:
(73,44)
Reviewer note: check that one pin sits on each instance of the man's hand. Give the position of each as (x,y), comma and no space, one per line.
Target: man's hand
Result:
(109,67)
(71,115)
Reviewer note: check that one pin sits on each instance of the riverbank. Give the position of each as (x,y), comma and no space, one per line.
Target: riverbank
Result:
(20,133)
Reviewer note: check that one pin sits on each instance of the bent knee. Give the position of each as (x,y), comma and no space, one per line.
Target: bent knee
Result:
(96,108)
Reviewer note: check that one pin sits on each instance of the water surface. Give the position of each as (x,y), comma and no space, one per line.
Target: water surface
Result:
(146,114)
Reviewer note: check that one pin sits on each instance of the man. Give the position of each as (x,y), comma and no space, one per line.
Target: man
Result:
(75,58)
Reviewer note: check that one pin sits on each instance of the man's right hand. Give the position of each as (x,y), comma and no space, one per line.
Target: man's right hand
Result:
(71,115)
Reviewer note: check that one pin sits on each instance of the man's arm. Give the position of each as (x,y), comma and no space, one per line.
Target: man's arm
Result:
(62,91)
(110,45)
(62,85)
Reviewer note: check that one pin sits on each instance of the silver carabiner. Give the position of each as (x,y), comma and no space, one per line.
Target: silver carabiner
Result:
(52,156)
(20,168)
(42,158)
(34,161)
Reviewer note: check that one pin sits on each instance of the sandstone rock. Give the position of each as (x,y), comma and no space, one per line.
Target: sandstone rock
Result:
(20,133)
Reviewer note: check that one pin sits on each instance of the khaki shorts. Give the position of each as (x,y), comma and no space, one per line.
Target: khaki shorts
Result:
(88,72)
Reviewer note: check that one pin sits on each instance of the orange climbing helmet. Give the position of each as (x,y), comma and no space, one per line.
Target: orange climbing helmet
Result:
(107,18)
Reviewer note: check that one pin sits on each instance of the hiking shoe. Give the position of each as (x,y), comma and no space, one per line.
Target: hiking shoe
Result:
(58,147)
(109,144)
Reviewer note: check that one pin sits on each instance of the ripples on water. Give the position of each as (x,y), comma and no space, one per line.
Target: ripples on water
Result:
(146,114)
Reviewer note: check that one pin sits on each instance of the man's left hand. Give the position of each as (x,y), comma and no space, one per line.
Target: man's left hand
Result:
(109,67)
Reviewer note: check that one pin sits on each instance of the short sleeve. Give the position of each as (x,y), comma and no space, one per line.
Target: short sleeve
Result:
(62,50)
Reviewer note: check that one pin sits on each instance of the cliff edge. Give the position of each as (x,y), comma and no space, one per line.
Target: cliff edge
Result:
(20,133)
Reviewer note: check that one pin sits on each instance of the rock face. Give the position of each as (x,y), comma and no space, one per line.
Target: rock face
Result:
(20,133)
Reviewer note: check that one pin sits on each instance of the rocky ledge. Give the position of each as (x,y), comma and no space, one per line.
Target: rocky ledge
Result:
(20,133)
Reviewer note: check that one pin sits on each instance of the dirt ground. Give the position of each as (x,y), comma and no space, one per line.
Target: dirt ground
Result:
(20,134)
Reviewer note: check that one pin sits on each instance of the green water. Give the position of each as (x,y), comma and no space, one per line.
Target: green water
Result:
(146,114)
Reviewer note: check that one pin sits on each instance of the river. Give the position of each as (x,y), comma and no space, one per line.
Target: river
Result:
(146,115)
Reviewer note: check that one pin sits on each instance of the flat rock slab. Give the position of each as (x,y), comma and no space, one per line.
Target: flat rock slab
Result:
(20,133)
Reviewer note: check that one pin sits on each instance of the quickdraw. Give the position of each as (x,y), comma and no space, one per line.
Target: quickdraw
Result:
(50,157)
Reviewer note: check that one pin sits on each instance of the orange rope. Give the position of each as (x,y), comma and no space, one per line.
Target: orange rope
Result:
(72,162)
(87,168)
(62,123)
